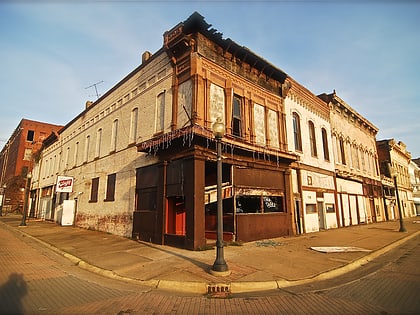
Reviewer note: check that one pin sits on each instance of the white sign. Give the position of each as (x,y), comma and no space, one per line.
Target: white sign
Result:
(64,184)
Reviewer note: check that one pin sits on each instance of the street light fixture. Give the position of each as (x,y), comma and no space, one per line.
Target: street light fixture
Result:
(220,268)
(393,174)
(26,199)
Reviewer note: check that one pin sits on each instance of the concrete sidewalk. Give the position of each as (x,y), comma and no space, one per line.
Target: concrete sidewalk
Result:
(255,266)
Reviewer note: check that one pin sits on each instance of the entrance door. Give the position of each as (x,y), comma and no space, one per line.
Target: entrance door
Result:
(175,217)
(321,216)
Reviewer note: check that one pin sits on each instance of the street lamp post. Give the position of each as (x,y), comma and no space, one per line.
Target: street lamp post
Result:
(3,198)
(394,176)
(26,199)
(219,266)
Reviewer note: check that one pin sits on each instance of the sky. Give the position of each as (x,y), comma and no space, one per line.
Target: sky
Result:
(53,52)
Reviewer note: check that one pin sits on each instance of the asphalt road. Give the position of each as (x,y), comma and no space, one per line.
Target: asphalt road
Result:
(35,280)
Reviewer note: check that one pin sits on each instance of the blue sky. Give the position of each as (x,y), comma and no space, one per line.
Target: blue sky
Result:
(368,51)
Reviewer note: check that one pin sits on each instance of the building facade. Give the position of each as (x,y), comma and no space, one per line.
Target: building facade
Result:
(17,161)
(358,181)
(141,160)
(394,162)
(414,171)
(309,137)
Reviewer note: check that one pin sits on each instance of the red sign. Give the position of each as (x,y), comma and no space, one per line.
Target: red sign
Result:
(64,184)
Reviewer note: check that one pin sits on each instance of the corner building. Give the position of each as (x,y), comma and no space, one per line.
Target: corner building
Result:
(214,78)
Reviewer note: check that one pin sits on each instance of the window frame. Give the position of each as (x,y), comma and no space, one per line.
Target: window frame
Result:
(94,190)
(237,118)
(297,132)
(110,187)
(325,144)
(312,138)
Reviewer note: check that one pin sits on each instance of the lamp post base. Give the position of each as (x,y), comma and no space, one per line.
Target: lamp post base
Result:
(220,273)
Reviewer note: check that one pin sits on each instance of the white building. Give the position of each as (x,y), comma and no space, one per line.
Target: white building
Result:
(309,136)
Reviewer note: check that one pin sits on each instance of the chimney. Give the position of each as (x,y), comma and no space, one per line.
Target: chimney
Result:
(88,104)
(146,56)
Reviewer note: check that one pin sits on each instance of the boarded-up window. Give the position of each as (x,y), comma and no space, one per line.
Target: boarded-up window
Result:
(114,135)
(110,187)
(27,156)
(259,122)
(217,103)
(94,190)
(184,103)
(273,128)
(160,112)
(133,125)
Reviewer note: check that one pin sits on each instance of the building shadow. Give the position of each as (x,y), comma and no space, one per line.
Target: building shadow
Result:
(202,265)
(12,293)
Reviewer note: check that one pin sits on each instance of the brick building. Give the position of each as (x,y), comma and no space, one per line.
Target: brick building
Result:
(16,160)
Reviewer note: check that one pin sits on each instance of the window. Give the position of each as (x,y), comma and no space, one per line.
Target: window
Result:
(259,124)
(237,116)
(325,144)
(110,187)
(329,208)
(273,128)
(114,136)
(98,143)
(76,152)
(312,139)
(310,208)
(66,160)
(296,132)
(133,125)
(94,190)
(259,204)
(160,113)
(27,156)
(30,135)
(87,148)
(342,151)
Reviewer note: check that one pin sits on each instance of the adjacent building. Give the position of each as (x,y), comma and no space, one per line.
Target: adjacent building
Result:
(394,163)
(358,181)
(414,171)
(17,160)
(309,137)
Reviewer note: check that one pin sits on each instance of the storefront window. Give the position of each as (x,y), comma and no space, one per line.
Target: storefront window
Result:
(259,204)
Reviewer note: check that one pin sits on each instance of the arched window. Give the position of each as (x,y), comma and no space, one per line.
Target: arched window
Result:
(133,125)
(312,139)
(114,136)
(342,151)
(98,143)
(325,144)
(297,137)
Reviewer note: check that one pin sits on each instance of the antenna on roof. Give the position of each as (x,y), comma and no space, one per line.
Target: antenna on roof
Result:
(94,85)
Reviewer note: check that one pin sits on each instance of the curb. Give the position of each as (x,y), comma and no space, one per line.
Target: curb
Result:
(232,287)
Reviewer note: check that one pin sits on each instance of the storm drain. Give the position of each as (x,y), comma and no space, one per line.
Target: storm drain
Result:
(218,288)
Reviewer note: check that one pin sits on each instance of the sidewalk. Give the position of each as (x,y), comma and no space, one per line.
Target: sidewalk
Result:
(255,266)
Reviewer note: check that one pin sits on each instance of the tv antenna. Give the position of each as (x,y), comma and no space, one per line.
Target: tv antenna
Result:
(96,89)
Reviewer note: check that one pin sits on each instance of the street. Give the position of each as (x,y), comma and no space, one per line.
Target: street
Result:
(35,280)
